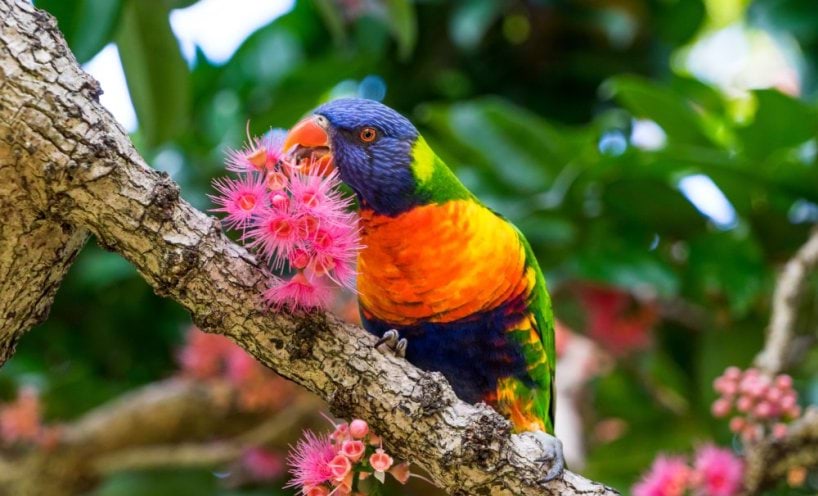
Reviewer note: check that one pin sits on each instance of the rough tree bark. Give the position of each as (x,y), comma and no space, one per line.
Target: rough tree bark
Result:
(68,168)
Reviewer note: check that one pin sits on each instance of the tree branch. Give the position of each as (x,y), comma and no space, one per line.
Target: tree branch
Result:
(167,424)
(789,289)
(69,154)
(208,454)
(769,460)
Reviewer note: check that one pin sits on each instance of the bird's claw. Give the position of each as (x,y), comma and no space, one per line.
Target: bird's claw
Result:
(552,457)
(394,343)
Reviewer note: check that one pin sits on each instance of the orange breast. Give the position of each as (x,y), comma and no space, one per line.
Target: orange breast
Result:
(438,263)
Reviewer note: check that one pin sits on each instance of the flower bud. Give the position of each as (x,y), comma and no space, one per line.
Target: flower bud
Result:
(721,407)
(380,461)
(353,450)
(358,428)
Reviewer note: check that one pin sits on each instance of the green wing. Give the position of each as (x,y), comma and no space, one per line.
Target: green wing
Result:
(525,403)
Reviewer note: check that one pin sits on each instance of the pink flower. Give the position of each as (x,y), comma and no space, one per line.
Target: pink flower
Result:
(340,466)
(353,450)
(737,424)
(240,366)
(380,461)
(299,292)
(732,373)
(292,214)
(788,401)
(310,461)
(358,428)
(721,407)
(744,404)
(203,355)
(299,259)
(263,464)
(780,430)
(21,419)
(241,199)
(763,410)
(340,434)
(318,194)
(274,234)
(718,471)
(668,476)
(336,249)
(783,381)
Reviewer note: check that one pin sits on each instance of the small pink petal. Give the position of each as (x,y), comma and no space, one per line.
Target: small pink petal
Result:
(353,449)
(340,466)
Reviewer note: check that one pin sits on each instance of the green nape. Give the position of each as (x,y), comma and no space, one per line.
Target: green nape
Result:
(436,183)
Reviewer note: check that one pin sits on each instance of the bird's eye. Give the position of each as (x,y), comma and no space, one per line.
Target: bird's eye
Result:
(368,134)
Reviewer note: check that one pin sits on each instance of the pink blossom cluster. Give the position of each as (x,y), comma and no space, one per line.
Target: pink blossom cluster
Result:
(212,357)
(337,463)
(757,402)
(291,214)
(21,421)
(715,472)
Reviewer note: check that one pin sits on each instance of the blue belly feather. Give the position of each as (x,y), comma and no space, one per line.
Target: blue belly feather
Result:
(472,353)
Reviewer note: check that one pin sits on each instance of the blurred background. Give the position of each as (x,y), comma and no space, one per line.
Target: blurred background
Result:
(660,155)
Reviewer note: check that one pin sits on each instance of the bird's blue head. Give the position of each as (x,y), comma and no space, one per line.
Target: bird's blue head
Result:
(372,147)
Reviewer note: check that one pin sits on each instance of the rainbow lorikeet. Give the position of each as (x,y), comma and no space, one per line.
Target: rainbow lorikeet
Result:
(456,281)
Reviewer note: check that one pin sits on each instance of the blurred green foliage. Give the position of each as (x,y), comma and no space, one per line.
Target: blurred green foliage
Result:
(534,104)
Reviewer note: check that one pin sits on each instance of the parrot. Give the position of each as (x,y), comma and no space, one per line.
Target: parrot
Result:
(442,279)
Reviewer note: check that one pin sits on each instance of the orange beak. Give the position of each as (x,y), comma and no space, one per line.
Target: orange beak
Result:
(307,133)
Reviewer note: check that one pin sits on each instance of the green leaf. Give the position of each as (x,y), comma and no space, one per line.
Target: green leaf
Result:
(88,25)
(471,19)
(679,20)
(669,212)
(727,266)
(157,75)
(330,12)
(780,122)
(666,107)
(516,147)
(626,265)
(402,22)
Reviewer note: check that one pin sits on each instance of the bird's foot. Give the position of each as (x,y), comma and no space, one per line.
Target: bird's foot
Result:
(394,343)
(553,460)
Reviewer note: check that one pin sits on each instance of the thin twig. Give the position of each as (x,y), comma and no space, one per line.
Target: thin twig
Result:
(786,299)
